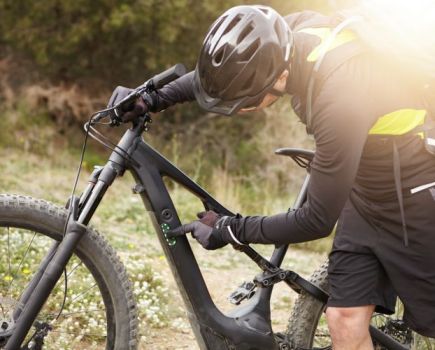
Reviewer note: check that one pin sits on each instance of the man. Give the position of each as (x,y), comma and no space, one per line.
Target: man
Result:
(371,170)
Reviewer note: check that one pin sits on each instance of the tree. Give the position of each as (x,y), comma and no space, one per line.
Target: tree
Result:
(115,41)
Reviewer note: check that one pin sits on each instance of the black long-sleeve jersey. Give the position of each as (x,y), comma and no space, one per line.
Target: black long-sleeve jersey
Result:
(351,161)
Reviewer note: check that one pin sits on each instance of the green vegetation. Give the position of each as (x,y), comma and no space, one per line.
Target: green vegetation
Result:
(82,39)
(75,326)
(124,221)
(59,61)
(113,41)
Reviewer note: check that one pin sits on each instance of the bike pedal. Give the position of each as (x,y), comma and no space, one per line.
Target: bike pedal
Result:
(245,291)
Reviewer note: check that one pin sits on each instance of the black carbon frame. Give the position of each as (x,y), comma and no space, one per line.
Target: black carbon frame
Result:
(247,326)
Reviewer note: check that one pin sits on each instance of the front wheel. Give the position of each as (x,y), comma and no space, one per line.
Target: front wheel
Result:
(307,328)
(99,310)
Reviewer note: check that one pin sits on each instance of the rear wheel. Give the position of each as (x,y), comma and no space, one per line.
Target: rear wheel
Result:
(307,328)
(99,310)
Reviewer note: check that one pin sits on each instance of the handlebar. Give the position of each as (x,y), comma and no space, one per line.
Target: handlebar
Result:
(155,83)
(161,79)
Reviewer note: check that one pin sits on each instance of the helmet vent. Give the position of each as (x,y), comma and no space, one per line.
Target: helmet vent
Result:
(246,55)
(232,24)
(217,26)
(278,30)
(248,83)
(248,29)
(217,59)
(264,10)
(271,70)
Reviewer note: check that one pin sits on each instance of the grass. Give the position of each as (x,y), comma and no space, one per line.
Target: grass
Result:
(124,221)
(37,161)
(83,315)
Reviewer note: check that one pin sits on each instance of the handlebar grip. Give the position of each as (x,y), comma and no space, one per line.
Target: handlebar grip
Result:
(168,75)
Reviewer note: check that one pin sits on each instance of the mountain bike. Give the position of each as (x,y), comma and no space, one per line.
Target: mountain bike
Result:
(55,248)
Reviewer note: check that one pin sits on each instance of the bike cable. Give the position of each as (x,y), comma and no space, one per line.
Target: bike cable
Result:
(105,141)
(71,198)
(99,137)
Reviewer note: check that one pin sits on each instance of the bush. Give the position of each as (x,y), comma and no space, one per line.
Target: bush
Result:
(116,41)
(122,41)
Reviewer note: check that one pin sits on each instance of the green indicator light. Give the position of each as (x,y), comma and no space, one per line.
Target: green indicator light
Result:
(171,241)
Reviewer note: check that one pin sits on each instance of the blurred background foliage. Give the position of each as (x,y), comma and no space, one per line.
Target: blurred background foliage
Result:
(60,60)
(114,41)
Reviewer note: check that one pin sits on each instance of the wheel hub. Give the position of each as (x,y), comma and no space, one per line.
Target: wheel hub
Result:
(7,323)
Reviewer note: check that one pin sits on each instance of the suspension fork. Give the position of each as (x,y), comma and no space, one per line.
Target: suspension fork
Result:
(43,266)
(51,268)
(34,281)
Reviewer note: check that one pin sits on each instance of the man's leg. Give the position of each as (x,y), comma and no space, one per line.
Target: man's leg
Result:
(411,268)
(358,282)
(349,327)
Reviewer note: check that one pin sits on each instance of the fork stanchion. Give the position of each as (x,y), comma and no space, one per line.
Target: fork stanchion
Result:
(48,280)
(34,282)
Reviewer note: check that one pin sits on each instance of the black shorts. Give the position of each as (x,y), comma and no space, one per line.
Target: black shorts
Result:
(369,263)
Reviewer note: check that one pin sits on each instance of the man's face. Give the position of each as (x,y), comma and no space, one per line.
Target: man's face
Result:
(270,97)
(267,101)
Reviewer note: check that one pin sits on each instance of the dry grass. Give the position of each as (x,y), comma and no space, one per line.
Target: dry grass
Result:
(67,104)
(6,92)
(124,221)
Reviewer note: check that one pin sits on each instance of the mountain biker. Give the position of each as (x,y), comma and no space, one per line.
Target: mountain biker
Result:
(371,170)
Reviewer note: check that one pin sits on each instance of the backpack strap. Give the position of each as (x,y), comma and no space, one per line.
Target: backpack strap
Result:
(329,63)
(428,125)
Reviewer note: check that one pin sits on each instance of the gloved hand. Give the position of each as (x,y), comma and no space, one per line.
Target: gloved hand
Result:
(132,110)
(210,230)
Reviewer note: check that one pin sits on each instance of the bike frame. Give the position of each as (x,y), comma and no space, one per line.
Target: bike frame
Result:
(247,326)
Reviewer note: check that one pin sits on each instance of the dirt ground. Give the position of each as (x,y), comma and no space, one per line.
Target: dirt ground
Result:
(223,271)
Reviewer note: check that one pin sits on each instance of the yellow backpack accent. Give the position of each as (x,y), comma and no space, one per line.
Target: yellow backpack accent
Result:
(341,38)
(399,122)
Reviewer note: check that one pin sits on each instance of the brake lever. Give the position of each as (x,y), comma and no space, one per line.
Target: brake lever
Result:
(99,115)
(115,120)
(132,96)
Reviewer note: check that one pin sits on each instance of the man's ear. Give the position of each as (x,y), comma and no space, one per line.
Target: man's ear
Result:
(282,81)
(284,75)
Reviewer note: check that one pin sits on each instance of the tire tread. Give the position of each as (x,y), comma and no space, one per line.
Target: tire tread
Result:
(25,205)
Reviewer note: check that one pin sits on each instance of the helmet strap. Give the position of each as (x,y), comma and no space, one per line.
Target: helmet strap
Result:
(276,92)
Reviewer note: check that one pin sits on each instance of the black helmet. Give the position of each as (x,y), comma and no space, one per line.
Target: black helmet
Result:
(243,55)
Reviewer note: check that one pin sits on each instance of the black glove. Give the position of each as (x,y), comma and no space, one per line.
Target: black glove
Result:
(129,111)
(211,230)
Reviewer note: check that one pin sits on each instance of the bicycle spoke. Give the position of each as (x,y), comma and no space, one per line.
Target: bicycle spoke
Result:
(74,268)
(9,257)
(3,310)
(90,318)
(66,314)
(59,284)
(21,262)
(102,336)
(9,264)
(82,293)
(46,316)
